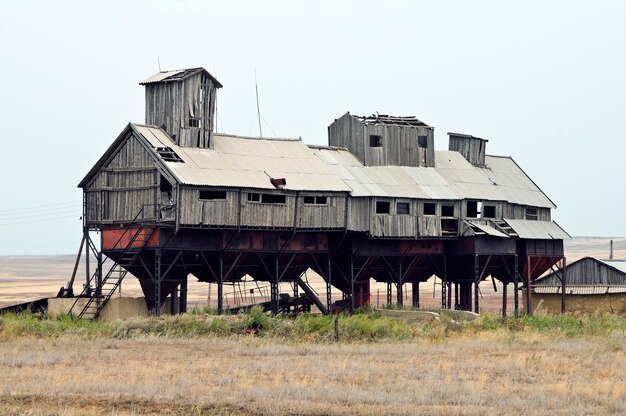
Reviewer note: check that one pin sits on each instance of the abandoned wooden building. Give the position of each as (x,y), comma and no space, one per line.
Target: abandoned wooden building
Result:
(593,286)
(173,198)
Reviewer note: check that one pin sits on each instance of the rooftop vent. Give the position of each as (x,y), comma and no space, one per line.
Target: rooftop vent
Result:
(168,154)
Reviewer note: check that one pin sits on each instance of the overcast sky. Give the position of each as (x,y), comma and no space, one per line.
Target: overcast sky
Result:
(543,81)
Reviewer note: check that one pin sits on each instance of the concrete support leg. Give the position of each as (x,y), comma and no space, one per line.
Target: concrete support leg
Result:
(415,295)
(515,287)
(529,307)
(476,283)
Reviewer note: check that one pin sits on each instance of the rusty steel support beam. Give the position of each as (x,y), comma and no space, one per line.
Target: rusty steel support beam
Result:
(351,285)
(456,296)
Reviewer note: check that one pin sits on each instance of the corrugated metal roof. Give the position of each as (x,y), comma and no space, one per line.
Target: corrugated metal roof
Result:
(160,76)
(487,229)
(244,162)
(543,230)
(452,178)
(580,290)
(616,264)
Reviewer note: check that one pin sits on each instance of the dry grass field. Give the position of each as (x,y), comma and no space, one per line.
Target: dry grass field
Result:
(154,366)
(490,372)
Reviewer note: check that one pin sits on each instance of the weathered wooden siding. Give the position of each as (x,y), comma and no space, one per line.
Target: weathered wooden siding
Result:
(359,214)
(472,148)
(173,104)
(122,188)
(429,226)
(399,143)
(256,214)
(393,224)
(518,212)
(588,272)
(331,215)
(194,211)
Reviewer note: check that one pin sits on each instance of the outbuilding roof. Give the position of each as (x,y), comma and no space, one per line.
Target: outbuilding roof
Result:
(589,272)
(178,75)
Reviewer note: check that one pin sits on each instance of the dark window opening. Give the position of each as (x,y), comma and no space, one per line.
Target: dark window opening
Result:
(213,195)
(254,197)
(489,211)
(531,214)
(447,210)
(273,199)
(472,209)
(194,122)
(166,191)
(449,226)
(403,208)
(422,141)
(168,155)
(376,141)
(382,207)
(315,200)
(430,208)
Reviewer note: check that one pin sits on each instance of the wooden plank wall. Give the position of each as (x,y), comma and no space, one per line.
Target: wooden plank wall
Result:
(399,143)
(123,186)
(472,149)
(331,215)
(173,103)
(194,211)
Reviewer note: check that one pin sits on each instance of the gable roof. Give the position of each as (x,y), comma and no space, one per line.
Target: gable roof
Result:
(235,161)
(591,271)
(178,75)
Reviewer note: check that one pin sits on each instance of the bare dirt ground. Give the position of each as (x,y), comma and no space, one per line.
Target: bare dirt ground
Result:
(24,278)
(495,374)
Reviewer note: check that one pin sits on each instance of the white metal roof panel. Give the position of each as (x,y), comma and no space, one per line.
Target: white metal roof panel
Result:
(580,290)
(247,163)
(617,264)
(160,76)
(487,229)
(539,230)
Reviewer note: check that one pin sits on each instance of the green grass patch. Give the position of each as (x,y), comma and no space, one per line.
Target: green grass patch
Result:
(365,325)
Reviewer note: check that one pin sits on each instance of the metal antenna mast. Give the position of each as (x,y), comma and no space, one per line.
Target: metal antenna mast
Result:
(258,111)
(159,64)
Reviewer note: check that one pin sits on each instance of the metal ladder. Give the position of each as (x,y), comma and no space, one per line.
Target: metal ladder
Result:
(505,228)
(117,272)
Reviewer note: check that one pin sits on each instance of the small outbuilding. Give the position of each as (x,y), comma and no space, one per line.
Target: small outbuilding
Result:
(593,286)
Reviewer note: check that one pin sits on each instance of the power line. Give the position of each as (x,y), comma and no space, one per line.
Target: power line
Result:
(35,214)
(41,220)
(39,207)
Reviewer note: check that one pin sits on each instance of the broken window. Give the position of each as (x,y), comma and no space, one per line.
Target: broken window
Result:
(403,208)
(489,211)
(273,199)
(474,209)
(166,191)
(254,197)
(207,195)
(430,208)
(449,226)
(194,122)
(382,207)
(376,140)
(447,210)
(531,214)
(422,141)
(168,154)
(315,200)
